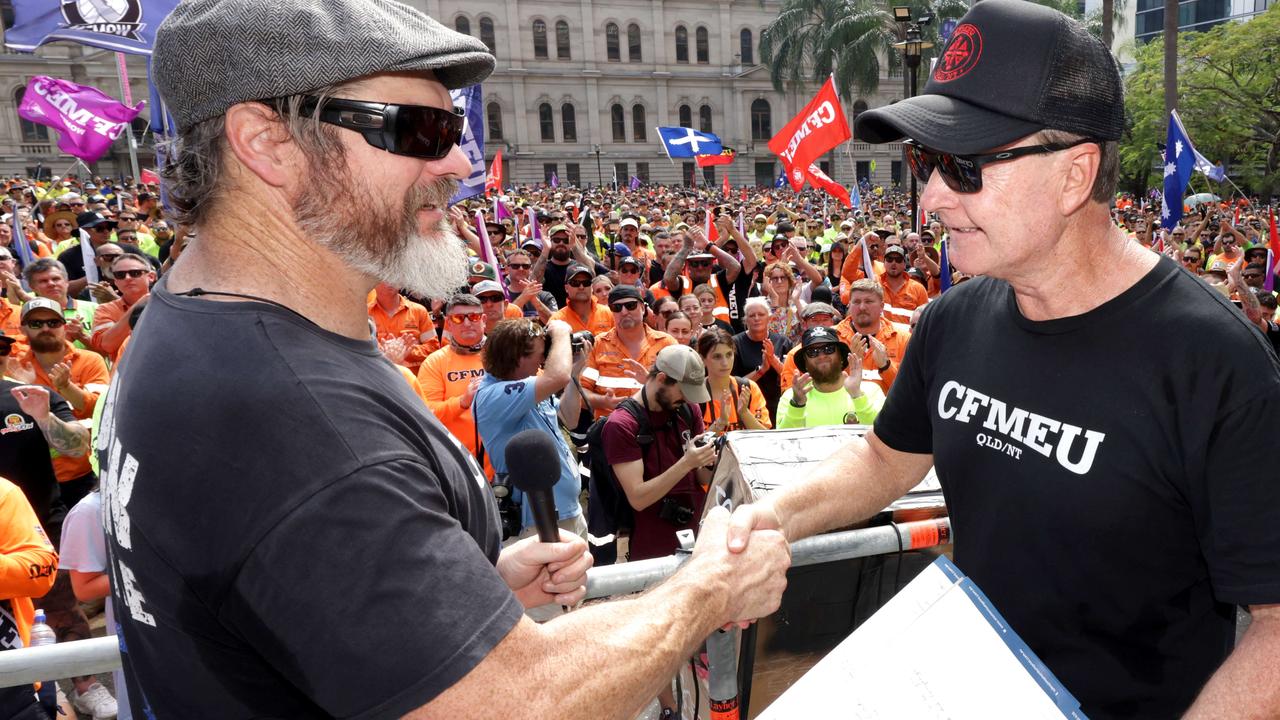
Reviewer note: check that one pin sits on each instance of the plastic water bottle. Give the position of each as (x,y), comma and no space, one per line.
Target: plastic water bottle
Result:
(41,633)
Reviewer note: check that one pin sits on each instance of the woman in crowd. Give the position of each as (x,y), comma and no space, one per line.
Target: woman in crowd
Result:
(600,288)
(736,403)
(680,327)
(692,308)
(784,300)
(663,308)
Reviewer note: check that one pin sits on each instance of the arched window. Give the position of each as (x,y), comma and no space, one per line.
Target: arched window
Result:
(704,118)
(686,116)
(761,120)
(539,39)
(682,44)
(487,36)
(744,38)
(562,40)
(31,132)
(462,25)
(619,124)
(859,107)
(638,128)
(494,113)
(612,49)
(633,42)
(704,47)
(568,123)
(546,125)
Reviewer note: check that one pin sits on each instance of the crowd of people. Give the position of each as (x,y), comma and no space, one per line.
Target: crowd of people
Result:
(580,305)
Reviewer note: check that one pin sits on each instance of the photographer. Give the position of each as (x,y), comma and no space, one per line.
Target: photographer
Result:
(514,396)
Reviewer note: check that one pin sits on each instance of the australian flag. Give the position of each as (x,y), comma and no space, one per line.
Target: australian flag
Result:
(683,142)
(1179,162)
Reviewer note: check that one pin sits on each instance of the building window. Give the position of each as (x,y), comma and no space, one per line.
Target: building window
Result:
(486,35)
(620,174)
(703,45)
(549,169)
(494,111)
(633,42)
(539,39)
(895,172)
(704,118)
(682,44)
(573,174)
(462,25)
(562,40)
(546,125)
(568,123)
(642,171)
(638,131)
(31,132)
(744,38)
(611,47)
(689,174)
(825,167)
(765,175)
(862,171)
(686,116)
(709,176)
(859,107)
(761,120)
(619,124)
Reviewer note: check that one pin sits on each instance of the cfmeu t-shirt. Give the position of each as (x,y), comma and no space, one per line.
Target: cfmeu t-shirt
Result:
(292,533)
(1110,476)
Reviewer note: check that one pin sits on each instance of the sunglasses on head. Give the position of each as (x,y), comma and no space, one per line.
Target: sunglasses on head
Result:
(626,305)
(963,173)
(579,283)
(135,274)
(819,350)
(49,323)
(460,318)
(412,130)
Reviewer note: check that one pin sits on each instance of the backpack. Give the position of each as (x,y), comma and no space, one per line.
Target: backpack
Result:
(608,510)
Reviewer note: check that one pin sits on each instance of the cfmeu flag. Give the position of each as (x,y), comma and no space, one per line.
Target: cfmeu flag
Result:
(472,143)
(724,157)
(88,119)
(1179,162)
(819,179)
(683,142)
(493,181)
(127,26)
(819,127)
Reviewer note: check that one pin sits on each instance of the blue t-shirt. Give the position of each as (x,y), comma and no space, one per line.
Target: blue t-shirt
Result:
(503,408)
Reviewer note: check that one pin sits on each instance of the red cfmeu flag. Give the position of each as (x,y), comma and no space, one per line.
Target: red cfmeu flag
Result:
(819,127)
(148,177)
(726,189)
(1273,252)
(493,180)
(724,157)
(819,179)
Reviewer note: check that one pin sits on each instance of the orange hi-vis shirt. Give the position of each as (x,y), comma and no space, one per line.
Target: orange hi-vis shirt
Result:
(28,564)
(606,371)
(894,337)
(443,380)
(900,305)
(714,409)
(852,270)
(89,371)
(599,320)
(410,318)
(104,317)
(10,321)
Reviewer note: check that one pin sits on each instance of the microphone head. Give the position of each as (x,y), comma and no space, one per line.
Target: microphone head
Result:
(533,460)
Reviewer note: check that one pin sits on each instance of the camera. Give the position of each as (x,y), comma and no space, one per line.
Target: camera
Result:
(705,438)
(508,508)
(579,340)
(672,510)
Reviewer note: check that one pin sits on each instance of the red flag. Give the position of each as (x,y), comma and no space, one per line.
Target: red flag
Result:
(819,179)
(727,189)
(148,177)
(493,181)
(819,127)
(724,157)
(1273,252)
(709,228)
(1275,238)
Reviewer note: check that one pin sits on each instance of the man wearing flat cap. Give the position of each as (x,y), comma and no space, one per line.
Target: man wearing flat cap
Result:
(1114,508)
(292,533)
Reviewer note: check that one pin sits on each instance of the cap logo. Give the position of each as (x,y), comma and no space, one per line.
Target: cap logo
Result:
(121,18)
(961,55)
(478,268)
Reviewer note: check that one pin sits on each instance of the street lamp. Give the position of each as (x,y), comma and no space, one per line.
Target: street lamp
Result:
(599,171)
(912,47)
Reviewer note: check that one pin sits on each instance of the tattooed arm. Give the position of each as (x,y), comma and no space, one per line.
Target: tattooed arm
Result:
(68,438)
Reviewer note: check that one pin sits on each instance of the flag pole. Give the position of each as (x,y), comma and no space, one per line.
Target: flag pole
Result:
(122,73)
(665,151)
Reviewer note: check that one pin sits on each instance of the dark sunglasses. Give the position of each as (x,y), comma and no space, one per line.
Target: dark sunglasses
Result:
(628,306)
(412,130)
(1190,259)
(110,256)
(560,241)
(819,350)
(629,269)
(490,299)
(1251,276)
(135,274)
(461,318)
(963,173)
(699,263)
(518,266)
(579,283)
(50,323)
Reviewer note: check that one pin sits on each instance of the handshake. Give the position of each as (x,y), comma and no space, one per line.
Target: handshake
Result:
(744,558)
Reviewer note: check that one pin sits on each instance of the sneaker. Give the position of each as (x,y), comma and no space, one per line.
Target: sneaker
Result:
(96,701)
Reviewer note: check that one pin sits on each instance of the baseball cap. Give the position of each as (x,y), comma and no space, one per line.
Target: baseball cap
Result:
(817,308)
(820,336)
(786,226)
(892,249)
(629,222)
(480,269)
(621,250)
(558,229)
(624,292)
(487,286)
(531,242)
(577,269)
(86,220)
(629,260)
(682,364)
(212,54)
(1219,267)
(761,216)
(40,303)
(1010,69)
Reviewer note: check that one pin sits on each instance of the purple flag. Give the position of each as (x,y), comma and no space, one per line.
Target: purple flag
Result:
(555,180)
(635,183)
(486,247)
(501,211)
(88,119)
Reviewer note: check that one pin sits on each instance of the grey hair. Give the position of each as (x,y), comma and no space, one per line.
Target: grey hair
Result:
(1107,180)
(44,264)
(751,302)
(195,159)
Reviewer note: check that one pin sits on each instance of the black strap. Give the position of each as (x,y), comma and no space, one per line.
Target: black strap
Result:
(198,292)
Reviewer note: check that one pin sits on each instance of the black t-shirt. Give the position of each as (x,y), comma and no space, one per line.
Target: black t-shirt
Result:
(25,459)
(1109,476)
(749,355)
(553,279)
(292,533)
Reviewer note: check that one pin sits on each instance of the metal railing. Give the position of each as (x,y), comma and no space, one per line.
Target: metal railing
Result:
(96,655)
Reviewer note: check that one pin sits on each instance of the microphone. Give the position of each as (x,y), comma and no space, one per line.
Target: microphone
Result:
(537,458)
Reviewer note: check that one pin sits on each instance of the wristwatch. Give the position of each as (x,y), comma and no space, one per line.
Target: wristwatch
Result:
(850,419)
(887,364)
(794,404)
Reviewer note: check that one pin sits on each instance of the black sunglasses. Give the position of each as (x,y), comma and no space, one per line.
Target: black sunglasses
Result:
(818,350)
(579,283)
(413,130)
(518,266)
(129,273)
(50,323)
(963,173)
(628,305)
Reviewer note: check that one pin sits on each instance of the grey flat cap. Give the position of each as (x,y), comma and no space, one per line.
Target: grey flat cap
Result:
(212,54)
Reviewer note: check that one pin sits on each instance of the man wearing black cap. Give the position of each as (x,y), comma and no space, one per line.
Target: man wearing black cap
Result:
(621,356)
(292,534)
(563,250)
(1116,522)
(829,389)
